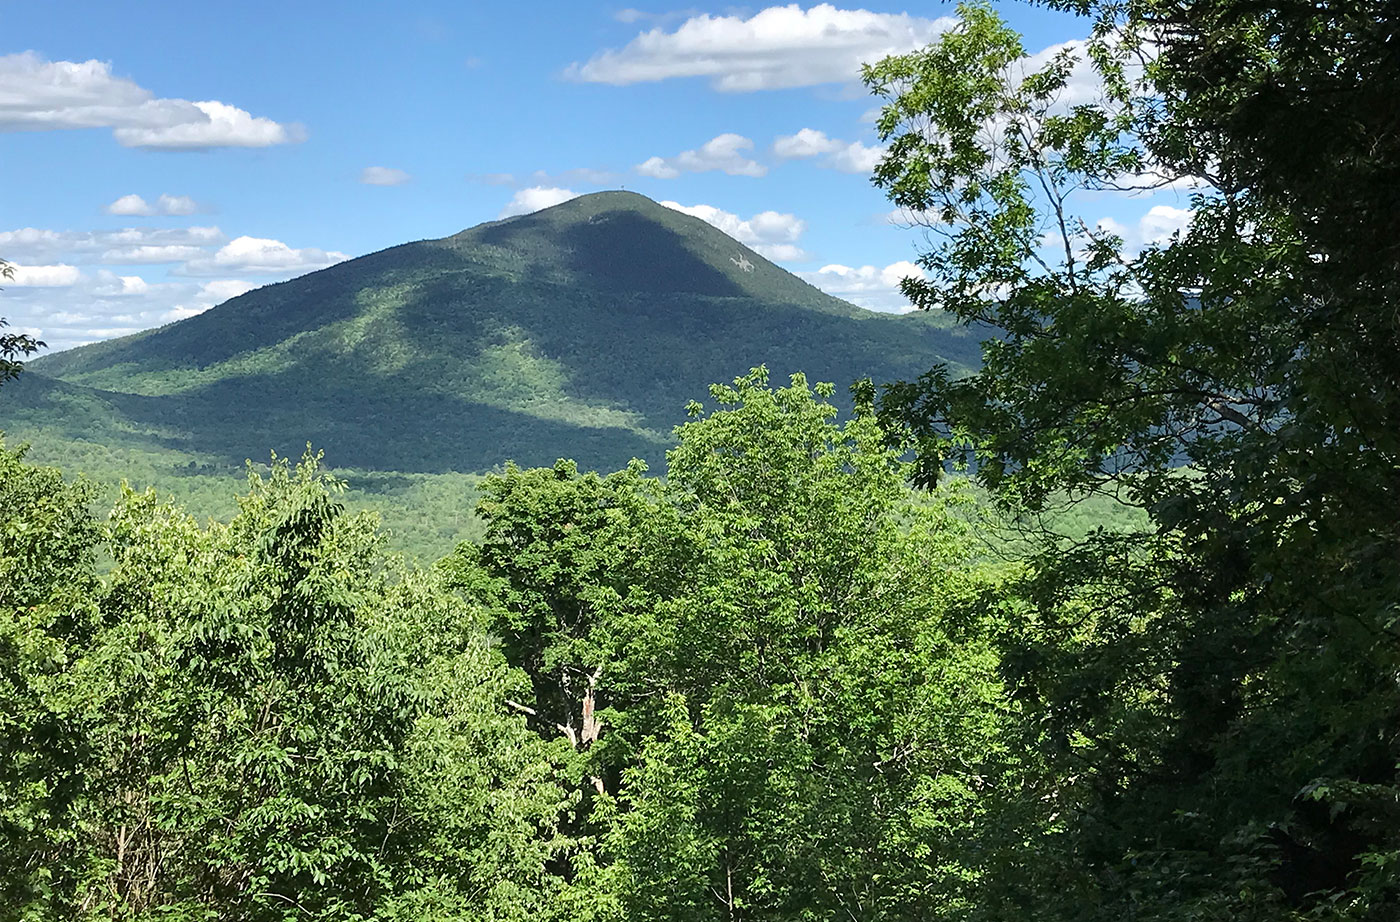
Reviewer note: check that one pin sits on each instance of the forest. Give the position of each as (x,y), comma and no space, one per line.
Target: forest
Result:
(1106,628)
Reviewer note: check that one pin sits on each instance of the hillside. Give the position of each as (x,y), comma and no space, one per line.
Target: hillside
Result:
(579,331)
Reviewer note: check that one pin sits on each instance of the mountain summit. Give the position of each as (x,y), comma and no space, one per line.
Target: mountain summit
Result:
(578,331)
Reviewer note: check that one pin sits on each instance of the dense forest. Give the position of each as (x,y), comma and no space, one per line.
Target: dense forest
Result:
(831,665)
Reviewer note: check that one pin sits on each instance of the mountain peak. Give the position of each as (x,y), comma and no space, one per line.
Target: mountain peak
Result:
(625,242)
(579,330)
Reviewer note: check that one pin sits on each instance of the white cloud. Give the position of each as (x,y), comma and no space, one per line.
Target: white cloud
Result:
(871,287)
(846,156)
(383,176)
(908,217)
(1082,86)
(657,168)
(724,152)
(773,234)
(116,286)
(42,95)
(130,205)
(181,312)
(75,302)
(806,143)
(779,47)
(856,158)
(222,126)
(261,256)
(210,294)
(135,206)
(534,198)
(151,254)
(31,244)
(1156,225)
(78,305)
(113,332)
(1162,221)
(59,276)
(221,290)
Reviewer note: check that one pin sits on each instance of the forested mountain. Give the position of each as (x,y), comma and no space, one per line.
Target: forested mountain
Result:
(807,675)
(579,331)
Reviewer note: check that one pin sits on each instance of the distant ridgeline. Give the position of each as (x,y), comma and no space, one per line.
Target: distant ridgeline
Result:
(580,331)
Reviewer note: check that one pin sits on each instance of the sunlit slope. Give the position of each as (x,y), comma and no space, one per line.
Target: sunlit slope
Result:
(578,331)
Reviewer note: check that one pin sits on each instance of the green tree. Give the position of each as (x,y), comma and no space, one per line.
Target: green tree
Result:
(567,559)
(819,684)
(14,346)
(48,583)
(257,720)
(1212,701)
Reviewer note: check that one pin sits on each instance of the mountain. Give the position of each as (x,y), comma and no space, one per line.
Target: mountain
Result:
(578,331)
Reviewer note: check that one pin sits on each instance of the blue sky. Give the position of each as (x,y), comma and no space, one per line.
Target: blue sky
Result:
(160,157)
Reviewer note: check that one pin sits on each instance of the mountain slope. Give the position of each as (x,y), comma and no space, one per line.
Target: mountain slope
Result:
(580,331)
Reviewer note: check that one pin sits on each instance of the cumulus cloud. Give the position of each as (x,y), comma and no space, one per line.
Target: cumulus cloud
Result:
(846,156)
(383,176)
(135,206)
(32,244)
(222,126)
(770,233)
(59,276)
(221,290)
(210,294)
(109,285)
(908,217)
(104,304)
(130,245)
(777,48)
(192,249)
(534,198)
(261,256)
(1155,226)
(871,287)
(72,301)
(151,254)
(43,95)
(725,152)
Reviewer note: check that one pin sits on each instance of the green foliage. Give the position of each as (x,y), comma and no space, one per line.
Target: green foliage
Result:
(567,561)
(1199,694)
(13,346)
(258,720)
(580,331)
(423,516)
(47,618)
(790,658)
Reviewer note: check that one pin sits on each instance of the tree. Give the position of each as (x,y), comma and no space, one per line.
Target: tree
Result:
(811,694)
(1212,699)
(258,720)
(48,615)
(567,560)
(14,346)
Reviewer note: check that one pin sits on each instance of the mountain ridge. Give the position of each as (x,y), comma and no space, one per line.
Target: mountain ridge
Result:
(577,331)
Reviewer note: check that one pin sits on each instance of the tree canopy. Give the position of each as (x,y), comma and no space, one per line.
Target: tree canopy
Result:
(1216,695)
(13,346)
